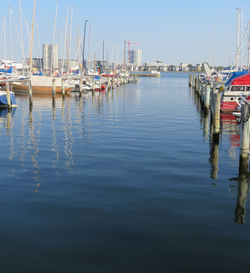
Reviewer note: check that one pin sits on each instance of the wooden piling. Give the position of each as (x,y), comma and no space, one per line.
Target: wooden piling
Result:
(244,136)
(53,87)
(217,113)
(7,84)
(63,87)
(80,85)
(94,83)
(207,97)
(53,92)
(193,81)
(108,83)
(243,186)
(30,94)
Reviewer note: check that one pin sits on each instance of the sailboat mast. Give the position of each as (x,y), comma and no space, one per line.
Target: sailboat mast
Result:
(53,42)
(65,40)
(21,31)
(242,37)
(83,47)
(10,30)
(4,37)
(248,53)
(77,46)
(238,33)
(70,37)
(32,35)
(88,59)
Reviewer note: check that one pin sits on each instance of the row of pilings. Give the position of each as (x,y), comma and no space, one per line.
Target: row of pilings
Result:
(209,96)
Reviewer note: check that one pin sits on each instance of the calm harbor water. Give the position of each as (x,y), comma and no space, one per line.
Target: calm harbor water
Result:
(123,181)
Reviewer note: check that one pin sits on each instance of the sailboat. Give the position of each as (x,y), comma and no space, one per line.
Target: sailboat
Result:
(42,85)
(4,100)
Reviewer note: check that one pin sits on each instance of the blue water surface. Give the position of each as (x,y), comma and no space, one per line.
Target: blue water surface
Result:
(124,181)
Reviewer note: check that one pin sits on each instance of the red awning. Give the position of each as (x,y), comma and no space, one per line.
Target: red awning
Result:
(242,80)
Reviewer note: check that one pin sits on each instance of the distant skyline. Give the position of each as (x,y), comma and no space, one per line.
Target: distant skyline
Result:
(170,31)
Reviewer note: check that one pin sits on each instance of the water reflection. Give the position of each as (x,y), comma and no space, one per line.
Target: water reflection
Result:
(243,186)
(6,118)
(229,126)
(61,120)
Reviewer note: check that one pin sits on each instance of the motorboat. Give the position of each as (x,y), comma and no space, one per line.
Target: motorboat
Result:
(236,89)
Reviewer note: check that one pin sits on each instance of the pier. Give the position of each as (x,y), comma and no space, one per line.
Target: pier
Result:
(209,97)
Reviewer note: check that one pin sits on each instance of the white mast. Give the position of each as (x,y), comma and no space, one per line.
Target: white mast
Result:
(65,38)
(32,35)
(10,29)
(248,47)
(242,35)
(77,46)
(88,59)
(70,35)
(21,31)
(112,56)
(53,42)
(4,37)
(237,37)
(117,56)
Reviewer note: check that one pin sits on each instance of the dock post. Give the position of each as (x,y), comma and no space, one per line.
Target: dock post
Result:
(53,92)
(214,156)
(217,113)
(7,84)
(244,135)
(80,85)
(195,83)
(207,97)
(108,83)
(63,87)
(200,85)
(203,92)
(30,94)
(240,209)
(94,84)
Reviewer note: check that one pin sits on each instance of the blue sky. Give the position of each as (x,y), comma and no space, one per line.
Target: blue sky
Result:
(172,31)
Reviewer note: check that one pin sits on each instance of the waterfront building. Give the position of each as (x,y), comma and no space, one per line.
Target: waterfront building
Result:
(37,63)
(135,57)
(50,56)
(156,65)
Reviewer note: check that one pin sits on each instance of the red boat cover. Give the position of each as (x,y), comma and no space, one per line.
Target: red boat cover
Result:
(242,80)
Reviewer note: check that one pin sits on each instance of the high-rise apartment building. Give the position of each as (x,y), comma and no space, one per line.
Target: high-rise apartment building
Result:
(50,56)
(135,57)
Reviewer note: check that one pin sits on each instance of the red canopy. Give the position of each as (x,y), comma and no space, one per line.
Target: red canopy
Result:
(242,80)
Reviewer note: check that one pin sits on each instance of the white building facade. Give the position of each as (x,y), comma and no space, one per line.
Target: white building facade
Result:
(50,56)
(135,57)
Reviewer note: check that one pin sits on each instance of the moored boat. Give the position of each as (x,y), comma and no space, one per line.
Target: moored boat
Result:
(42,85)
(238,88)
(4,101)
